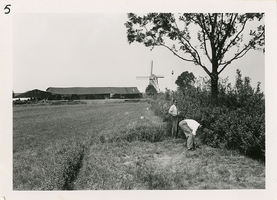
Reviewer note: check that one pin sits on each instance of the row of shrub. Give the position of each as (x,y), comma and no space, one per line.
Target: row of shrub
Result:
(237,121)
(144,132)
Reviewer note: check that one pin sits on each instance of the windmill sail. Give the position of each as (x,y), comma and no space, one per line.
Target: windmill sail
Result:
(153,79)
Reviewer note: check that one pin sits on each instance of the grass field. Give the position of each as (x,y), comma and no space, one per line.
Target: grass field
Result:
(103,145)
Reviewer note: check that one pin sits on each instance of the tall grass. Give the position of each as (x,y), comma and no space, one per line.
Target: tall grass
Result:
(117,147)
(49,142)
(53,168)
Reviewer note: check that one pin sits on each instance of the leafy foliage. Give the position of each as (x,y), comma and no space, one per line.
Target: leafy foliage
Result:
(218,34)
(150,90)
(185,81)
(237,122)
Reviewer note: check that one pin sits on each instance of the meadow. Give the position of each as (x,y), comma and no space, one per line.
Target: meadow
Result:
(107,145)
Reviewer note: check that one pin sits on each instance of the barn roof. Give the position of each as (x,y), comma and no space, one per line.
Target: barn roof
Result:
(16,94)
(33,93)
(94,90)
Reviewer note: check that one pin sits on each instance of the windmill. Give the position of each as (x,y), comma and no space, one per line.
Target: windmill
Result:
(153,79)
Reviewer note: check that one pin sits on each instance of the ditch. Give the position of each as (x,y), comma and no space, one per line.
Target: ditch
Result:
(72,168)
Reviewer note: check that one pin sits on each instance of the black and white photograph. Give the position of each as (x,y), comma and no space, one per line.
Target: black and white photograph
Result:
(138,100)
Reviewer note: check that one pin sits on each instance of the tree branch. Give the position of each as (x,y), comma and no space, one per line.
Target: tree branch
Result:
(205,47)
(226,49)
(175,53)
(237,56)
(221,43)
(203,26)
(218,35)
(205,69)
(194,50)
(198,59)
(241,53)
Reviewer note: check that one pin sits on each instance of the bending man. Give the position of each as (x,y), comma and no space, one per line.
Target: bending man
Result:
(189,127)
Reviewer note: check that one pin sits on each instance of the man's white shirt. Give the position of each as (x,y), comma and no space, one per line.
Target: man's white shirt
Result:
(173,110)
(193,125)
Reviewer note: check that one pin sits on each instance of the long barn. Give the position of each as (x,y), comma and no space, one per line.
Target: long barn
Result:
(75,93)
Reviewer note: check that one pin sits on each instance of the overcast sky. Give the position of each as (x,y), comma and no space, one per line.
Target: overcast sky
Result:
(91,50)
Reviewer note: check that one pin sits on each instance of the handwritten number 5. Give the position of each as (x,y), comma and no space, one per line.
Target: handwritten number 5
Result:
(8,10)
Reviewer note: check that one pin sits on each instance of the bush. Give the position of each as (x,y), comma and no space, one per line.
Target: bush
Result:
(236,122)
(145,133)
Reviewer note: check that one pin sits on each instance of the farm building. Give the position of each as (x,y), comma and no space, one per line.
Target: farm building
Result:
(75,93)
(33,95)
